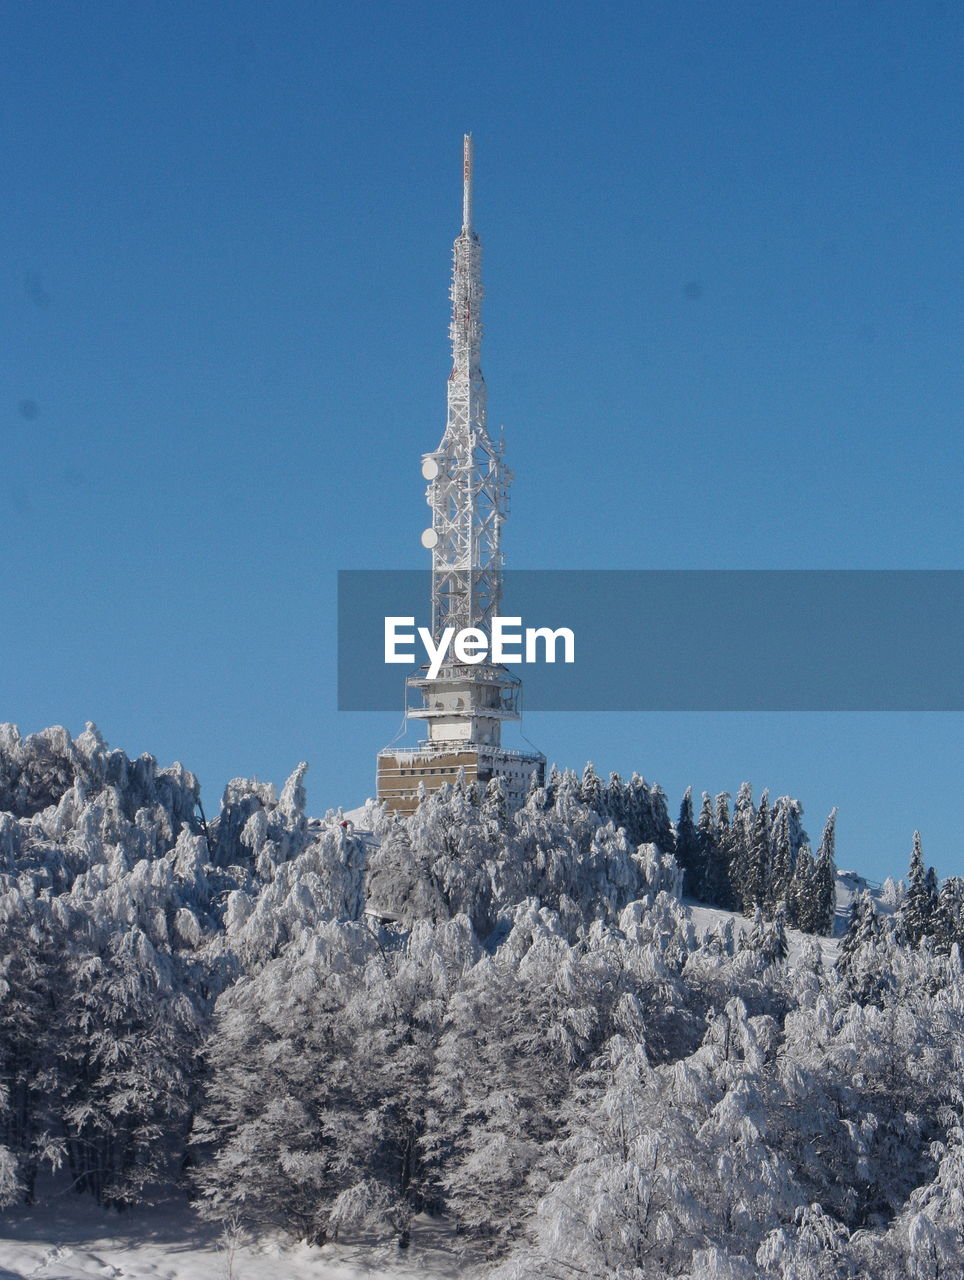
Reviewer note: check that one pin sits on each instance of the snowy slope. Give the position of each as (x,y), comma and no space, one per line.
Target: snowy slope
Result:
(67,1238)
(706,919)
(850,885)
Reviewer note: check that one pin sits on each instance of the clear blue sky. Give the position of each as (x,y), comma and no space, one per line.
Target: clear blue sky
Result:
(722,254)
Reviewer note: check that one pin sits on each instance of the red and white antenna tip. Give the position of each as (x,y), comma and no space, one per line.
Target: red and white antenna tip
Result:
(467,182)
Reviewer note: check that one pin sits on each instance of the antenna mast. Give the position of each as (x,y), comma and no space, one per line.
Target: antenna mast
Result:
(467,182)
(468,479)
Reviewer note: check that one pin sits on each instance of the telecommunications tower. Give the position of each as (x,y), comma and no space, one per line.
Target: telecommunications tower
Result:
(465,705)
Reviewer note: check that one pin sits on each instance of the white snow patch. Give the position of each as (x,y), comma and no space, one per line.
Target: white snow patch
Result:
(850,885)
(706,919)
(359,816)
(66,1237)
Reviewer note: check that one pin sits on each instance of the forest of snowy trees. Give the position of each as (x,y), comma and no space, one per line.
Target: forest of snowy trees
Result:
(504,1019)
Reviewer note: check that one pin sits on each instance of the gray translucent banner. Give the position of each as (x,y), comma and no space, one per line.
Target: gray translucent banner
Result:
(693,640)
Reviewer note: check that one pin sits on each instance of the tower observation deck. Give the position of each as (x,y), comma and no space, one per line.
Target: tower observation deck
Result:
(465,706)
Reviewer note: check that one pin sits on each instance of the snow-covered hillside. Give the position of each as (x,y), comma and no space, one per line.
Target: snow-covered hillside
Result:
(510,1029)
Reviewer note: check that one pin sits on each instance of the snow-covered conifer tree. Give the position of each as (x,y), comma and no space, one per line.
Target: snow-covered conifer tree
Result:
(757,864)
(784,842)
(949,921)
(708,889)
(640,821)
(860,957)
(663,829)
(688,846)
(918,911)
(615,800)
(495,808)
(591,788)
(742,874)
(825,880)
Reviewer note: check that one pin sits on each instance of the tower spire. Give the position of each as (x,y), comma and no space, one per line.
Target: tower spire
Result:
(468,489)
(467,182)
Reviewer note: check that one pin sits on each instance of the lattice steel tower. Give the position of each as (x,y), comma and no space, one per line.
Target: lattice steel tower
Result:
(467,492)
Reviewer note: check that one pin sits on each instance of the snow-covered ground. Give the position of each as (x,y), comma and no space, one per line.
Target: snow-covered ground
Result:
(849,886)
(706,919)
(66,1237)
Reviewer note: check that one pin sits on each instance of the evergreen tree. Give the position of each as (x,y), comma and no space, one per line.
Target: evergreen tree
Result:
(918,912)
(782,853)
(825,880)
(495,808)
(800,899)
(720,890)
(688,846)
(752,939)
(859,958)
(640,820)
(615,800)
(756,859)
(767,938)
(663,829)
(742,873)
(591,788)
(778,945)
(949,922)
(553,778)
(712,886)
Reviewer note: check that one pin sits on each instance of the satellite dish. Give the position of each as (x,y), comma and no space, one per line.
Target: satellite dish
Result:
(430,469)
(429,539)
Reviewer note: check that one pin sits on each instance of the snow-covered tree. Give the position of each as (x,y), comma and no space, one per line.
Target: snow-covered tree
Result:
(918,911)
(509,1018)
(688,853)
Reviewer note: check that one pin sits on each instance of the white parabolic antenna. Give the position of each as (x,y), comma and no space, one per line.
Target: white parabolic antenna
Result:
(429,539)
(430,469)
